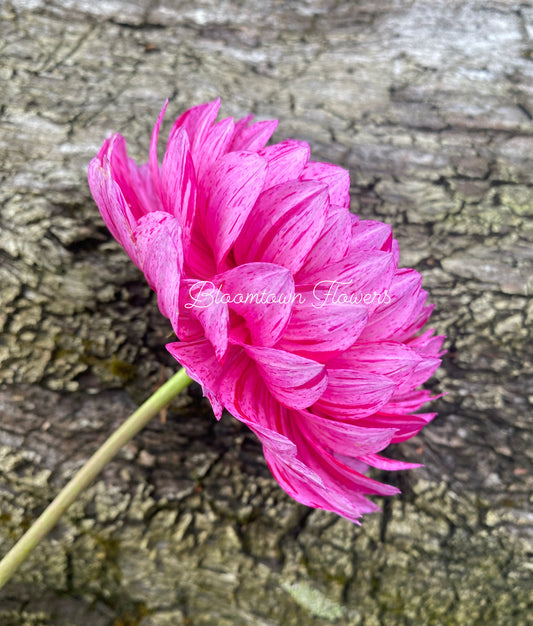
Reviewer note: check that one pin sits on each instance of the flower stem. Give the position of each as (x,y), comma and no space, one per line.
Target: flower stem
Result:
(88,472)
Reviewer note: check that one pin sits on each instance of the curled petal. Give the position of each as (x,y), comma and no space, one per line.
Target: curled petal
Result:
(371,235)
(353,395)
(286,161)
(262,294)
(114,209)
(380,462)
(336,178)
(405,425)
(346,438)
(231,189)
(201,364)
(285,224)
(331,245)
(389,358)
(178,183)
(322,332)
(158,239)
(201,299)
(294,381)
(405,303)
(252,137)
(196,122)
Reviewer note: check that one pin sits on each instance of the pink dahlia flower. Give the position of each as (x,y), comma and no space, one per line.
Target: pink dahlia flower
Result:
(290,311)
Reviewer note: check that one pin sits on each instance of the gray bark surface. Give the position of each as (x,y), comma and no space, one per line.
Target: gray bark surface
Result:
(430,106)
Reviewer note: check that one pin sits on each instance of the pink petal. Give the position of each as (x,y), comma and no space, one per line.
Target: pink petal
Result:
(297,463)
(142,183)
(341,470)
(196,122)
(215,144)
(178,183)
(252,138)
(202,303)
(320,332)
(389,358)
(294,381)
(262,294)
(380,462)
(158,239)
(405,425)
(153,159)
(343,437)
(231,189)
(407,402)
(286,161)
(301,486)
(336,178)
(200,362)
(353,395)
(113,206)
(135,182)
(332,244)
(371,235)
(285,224)
(389,319)
(426,344)
(358,278)
(199,259)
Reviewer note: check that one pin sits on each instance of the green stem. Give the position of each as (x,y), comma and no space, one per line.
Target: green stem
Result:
(88,472)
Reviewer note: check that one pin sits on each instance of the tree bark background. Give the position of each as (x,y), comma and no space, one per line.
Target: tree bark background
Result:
(429,104)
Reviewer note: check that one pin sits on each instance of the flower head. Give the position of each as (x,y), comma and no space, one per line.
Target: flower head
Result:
(290,311)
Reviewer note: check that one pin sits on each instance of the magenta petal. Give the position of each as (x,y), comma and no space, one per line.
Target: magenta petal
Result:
(357,275)
(406,301)
(286,161)
(142,183)
(215,144)
(332,244)
(427,344)
(346,438)
(407,402)
(178,183)
(320,332)
(232,188)
(262,294)
(134,182)
(252,138)
(158,239)
(197,122)
(380,462)
(203,303)
(113,206)
(199,259)
(285,223)
(153,158)
(371,235)
(301,486)
(405,425)
(389,358)
(352,394)
(336,178)
(294,381)
(200,362)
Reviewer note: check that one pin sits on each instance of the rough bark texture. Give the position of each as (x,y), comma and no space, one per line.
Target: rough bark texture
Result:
(429,104)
